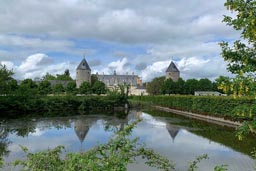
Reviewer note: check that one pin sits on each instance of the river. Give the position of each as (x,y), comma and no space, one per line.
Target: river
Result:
(178,138)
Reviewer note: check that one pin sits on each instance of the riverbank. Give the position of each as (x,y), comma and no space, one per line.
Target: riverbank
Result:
(224,110)
(212,119)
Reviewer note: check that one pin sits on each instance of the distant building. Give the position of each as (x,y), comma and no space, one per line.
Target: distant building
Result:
(172,72)
(115,80)
(83,73)
(208,93)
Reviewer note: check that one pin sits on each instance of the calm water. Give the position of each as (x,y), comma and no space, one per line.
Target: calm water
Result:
(180,139)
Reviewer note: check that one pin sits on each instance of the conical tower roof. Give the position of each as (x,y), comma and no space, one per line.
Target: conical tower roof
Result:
(83,65)
(81,130)
(173,131)
(172,68)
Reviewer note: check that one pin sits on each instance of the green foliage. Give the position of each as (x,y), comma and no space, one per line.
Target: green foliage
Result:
(12,86)
(161,86)
(98,87)
(71,87)
(63,77)
(114,155)
(28,87)
(226,107)
(204,84)
(191,85)
(58,88)
(48,77)
(44,87)
(241,57)
(19,105)
(85,88)
(94,78)
(221,168)
(154,87)
(5,77)
(193,165)
(168,87)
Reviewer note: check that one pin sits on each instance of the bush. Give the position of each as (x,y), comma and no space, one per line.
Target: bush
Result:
(242,108)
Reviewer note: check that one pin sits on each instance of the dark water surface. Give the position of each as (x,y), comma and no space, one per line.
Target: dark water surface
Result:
(178,138)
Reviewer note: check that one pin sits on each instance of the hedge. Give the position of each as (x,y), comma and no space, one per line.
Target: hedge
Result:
(227,107)
(62,105)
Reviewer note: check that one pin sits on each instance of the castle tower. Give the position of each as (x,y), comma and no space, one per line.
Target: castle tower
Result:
(172,72)
(83,73)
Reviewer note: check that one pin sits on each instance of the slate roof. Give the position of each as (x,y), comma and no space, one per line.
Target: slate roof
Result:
(172,68)
(111,80)
(83,65)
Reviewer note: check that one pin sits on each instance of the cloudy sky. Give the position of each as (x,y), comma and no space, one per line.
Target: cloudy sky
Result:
(140,36)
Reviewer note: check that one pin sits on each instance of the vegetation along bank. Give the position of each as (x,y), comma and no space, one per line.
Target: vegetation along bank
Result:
(219,106)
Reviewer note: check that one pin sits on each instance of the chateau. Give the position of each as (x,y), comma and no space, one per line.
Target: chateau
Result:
(83,73)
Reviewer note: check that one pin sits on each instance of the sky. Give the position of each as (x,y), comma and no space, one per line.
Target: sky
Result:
(129,36)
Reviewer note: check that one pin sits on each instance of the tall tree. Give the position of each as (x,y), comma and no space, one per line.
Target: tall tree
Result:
(179,86)
(71,87)
(5,77)
(44,87)
(191,86)
(48,77)
(66,72)
(154,87)
(204,84)
(242,57)
(168,87)
(58,88)
(85,88)
(99,88)
(28,87)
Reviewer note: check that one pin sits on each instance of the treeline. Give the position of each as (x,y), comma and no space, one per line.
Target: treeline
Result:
(48,84)
(16,106)
(160,85)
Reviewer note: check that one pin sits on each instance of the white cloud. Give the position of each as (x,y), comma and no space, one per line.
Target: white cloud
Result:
(163,29)
(192,67)
(154,70)
(37,65)
(9,65)
(121,66)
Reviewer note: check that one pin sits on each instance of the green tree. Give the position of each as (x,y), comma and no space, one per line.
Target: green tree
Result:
(179,86)
(66,72)
(44,87)
(28,87)
(241,57)
(154,87)
(99,88)
(94,78)
(204,84)
(168,87)
(5,77)
(71,87)
(224,84)
(85,88)
(12,86)
(191,85)
(48,77)
(58,88)
(64,77)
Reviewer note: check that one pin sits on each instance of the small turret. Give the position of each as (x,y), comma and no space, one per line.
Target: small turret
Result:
(83,73)
(172,72)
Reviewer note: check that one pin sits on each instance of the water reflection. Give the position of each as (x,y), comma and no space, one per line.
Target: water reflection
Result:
(179,139)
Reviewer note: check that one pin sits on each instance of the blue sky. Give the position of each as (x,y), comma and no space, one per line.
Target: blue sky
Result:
(127,36)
